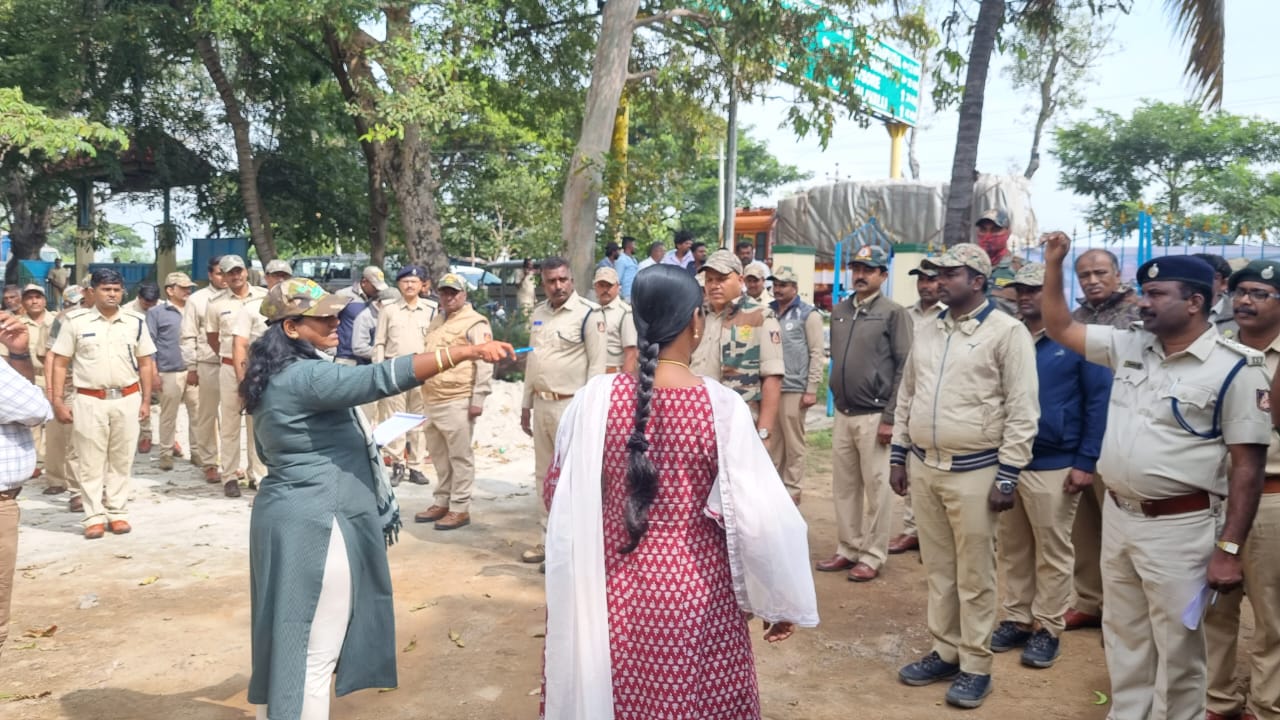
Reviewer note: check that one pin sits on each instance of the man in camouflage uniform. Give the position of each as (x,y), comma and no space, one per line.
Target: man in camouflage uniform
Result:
(742,343)
(1105,301)
(993,237)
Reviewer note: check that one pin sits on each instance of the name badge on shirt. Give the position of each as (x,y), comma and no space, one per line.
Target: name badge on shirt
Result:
(1133,364)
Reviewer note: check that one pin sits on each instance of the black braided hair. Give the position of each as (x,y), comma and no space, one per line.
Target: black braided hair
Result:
(664,298)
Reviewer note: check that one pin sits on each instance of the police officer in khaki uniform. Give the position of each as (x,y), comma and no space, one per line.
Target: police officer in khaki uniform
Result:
(741,343)
(1255,292)
(870,341)
(454,399)
(60,451)
(619,325)
(219,321)
(569,348)
(164,322)
(754,278)
(112,375)
(203,370)
(803,360)
(927,307)
(36,316)
(147,297)
(250,324)
(402,329)
(1183,400)
(966,416)
(1105,301)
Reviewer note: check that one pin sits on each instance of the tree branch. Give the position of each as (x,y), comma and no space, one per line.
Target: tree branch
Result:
(668,16)
(643,75)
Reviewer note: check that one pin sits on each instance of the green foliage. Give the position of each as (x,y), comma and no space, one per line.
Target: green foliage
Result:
(26,129)
(1176,158)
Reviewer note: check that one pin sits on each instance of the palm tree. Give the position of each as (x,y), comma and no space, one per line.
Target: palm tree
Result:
(1200,22)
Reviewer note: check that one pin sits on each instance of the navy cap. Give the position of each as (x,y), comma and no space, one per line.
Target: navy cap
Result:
(1263,271)
(1182,268)
(412,271)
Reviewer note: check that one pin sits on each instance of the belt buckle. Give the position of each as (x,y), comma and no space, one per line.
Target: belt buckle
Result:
(113,393)
(1129,505)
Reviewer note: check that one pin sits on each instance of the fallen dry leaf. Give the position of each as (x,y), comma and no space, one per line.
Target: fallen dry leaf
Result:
(424,606)
(15,697)
(30,646)
(410,647)
(456,637)
(124,556)
(149,580)
(41,632)
(68,572)
(382,690)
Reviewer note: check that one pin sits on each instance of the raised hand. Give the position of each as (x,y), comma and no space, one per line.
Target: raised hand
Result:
(1056,245)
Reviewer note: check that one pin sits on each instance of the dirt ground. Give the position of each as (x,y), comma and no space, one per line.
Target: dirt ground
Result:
(155,624)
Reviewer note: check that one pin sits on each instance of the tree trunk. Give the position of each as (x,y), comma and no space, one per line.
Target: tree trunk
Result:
(347,63)
(254,209)
(29,226)
(964,166)
(617,179)
(414,186)
(582,187)
(1046,111)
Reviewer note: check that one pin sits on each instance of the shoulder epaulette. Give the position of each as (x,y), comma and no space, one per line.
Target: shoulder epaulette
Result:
(590,305)
(1252,357)
(78,313)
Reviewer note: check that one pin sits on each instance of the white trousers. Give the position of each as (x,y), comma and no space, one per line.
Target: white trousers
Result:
(328,628)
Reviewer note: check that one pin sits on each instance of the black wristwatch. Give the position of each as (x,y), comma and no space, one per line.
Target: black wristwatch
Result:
(19,356)
(1006,487)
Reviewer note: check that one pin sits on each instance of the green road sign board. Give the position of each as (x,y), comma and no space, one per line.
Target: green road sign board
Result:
(889,84)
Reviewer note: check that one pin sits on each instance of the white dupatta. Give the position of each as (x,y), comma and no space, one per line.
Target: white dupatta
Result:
(766,536)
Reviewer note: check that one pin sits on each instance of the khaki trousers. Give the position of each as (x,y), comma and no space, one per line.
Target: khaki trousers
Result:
(105,433)
(789,449)
(1035,550)
(860,489)
(908,517)
(957,544)
(205,425)
(410,402)
(174,393)
(231,407)
(545,422)
(448,433)
(38,432)
(1222,623)
(1086,538)
(9,517)
(62,472)
(1151,568)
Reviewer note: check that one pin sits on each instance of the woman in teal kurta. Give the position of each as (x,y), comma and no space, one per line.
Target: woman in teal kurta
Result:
(325,488)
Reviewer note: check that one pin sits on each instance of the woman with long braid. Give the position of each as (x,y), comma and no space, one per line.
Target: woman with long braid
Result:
(659,549)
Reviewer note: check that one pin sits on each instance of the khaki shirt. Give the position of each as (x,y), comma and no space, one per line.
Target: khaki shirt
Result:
(919,314)
(401,329)
(1146,453)
(569,348)
(195,343)
(38,341)
(220,316)
(620,331)
(970,390)
(740,345)
(249,322)
(106,351)
(1273,449)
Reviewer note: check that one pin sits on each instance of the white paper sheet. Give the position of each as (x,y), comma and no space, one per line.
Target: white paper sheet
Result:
(1199,605)
(395,426)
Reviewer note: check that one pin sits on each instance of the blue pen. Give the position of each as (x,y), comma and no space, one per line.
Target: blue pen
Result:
(523,350)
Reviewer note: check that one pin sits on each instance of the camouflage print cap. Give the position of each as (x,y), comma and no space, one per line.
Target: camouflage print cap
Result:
(73,295)
(1030,275)
(722,261)
(998,216)
(453,281)
(300,297)
(756,269)
(278,267)
(1263,271)
(873,256)
(961,255)
(785,274)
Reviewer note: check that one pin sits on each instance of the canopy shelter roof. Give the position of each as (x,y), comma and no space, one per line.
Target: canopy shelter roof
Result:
(155,160)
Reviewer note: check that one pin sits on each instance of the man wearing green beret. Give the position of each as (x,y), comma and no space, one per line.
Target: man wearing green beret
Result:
(1254,291)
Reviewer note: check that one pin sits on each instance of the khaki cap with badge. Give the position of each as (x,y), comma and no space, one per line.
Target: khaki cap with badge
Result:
(961,255)
(178,279)
(230,262)
(278,267)
(756,269)
(722,261)
(300,297)
(34,288)
(452,281)
(376,277)
(606,275)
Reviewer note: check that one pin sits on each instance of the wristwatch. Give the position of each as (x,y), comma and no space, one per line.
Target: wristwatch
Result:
(1006,487)
(1228,547)
(764,433)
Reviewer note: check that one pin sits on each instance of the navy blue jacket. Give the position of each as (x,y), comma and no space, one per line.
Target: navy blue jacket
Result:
(1074,394)
(346,323)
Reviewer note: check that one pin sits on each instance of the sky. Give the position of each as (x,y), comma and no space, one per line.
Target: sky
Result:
(1145,61)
